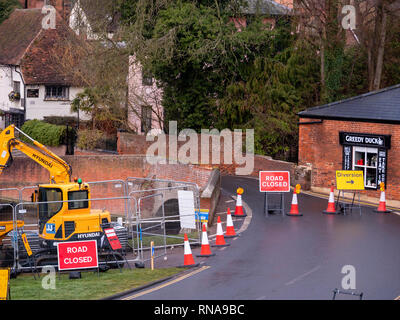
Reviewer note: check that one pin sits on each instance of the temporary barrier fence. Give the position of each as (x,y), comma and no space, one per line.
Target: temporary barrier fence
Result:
(133,204)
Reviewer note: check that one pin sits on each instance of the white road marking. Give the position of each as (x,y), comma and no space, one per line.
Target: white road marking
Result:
(302,276)
(166,284)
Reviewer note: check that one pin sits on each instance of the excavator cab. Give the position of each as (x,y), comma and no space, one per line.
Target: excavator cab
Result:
(63,207)
(65,214)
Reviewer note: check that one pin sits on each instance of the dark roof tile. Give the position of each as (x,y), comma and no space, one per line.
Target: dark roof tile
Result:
(377,106)
(37,51)
(17,33)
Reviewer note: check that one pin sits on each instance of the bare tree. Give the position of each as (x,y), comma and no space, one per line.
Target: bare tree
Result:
(373,17)
(319,22)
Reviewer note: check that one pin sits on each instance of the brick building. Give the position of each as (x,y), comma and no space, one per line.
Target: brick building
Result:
(360,133)
(63,7)
(33,81)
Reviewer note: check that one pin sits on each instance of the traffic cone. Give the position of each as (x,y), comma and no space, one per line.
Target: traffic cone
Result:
(294,209)
(188,260)
(382,204)
(220,240)
(230,230)
(331,209)
(239,206)
(205,245)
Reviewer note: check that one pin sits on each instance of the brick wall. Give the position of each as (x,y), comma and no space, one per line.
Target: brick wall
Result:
(137,144)
(319,148)
(25,172)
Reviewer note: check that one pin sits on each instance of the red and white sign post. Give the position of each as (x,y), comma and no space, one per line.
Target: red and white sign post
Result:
(274,182)
(77,255)
(113,238)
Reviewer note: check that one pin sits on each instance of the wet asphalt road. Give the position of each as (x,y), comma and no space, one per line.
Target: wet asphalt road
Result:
(281,257)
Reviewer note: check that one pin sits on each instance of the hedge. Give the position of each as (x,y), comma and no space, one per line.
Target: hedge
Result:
(48,134)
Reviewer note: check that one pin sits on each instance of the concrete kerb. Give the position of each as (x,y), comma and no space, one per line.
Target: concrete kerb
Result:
(348,200)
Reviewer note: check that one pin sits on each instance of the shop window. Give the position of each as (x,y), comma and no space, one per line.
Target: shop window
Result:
(368,153)
(366,160)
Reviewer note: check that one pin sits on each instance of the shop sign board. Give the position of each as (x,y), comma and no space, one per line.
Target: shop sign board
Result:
(274,181)
(77,255)
(349,180)
(364,139)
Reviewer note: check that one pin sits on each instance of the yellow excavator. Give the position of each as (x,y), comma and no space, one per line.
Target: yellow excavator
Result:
(64,207)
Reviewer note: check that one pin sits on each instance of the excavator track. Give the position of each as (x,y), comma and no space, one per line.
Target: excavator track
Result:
(44,257)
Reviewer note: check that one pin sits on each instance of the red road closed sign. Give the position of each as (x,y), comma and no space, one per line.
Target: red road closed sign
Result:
(77,255)
(274,181)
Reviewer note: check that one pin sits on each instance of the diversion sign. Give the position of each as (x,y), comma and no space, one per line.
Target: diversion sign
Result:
(349,180)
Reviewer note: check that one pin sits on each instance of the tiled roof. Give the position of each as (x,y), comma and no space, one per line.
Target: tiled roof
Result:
(382,106)
(41,62)
(25,43)
(267,7)
(17,33)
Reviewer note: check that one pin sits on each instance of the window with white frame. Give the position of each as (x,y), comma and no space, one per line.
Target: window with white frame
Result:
(57,93)
(366,159)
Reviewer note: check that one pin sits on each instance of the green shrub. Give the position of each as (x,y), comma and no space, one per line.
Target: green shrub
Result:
(96,139)
(88,139)
(47,134)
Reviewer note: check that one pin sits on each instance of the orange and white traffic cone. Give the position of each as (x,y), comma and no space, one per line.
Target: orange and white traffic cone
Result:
(205,245)
(220,239)
(331,209)
(230,229)
(382,203)
(294,209)
(188,260)
(239,206)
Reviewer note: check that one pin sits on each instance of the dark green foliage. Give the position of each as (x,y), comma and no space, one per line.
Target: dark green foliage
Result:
(62,121)
(278,87)
(45,133)
(6,7)
(213,76)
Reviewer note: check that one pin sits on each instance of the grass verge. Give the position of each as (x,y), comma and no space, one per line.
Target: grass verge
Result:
(159,240)
(90,287)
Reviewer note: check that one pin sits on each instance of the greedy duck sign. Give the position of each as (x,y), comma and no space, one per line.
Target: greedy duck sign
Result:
(363,139)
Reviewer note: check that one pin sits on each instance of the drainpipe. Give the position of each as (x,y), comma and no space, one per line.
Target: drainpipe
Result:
(23,82)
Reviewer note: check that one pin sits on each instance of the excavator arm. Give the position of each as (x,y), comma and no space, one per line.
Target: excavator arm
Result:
(59,170)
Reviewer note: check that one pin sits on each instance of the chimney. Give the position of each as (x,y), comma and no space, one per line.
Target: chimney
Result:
(63,7)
